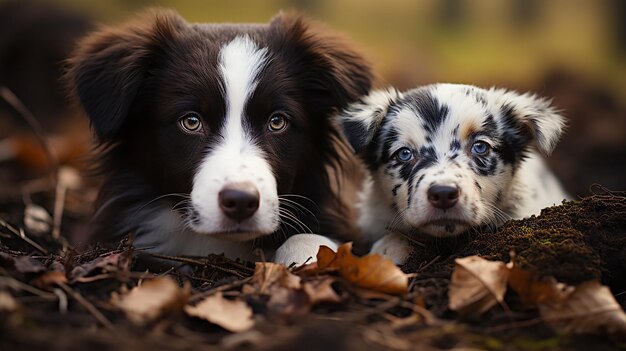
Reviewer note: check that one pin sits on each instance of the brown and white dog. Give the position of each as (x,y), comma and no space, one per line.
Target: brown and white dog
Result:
(445,158)
(218,138)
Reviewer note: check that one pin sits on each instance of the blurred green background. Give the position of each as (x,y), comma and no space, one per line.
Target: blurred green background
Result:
(571,50)
(514,42)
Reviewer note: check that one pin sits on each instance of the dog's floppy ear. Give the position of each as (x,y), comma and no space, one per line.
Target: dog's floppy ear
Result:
(530,116)
(362,119)
(106,71)
(334,73)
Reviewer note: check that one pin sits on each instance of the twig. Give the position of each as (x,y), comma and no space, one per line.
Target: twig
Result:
(421,269)
(192,261)
(8,96)
(18,285)
(59,205)
(87,305)
(224,287)
(20,234)
(428,264)
(62,300)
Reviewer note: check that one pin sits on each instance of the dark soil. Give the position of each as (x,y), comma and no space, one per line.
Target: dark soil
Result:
(574,242)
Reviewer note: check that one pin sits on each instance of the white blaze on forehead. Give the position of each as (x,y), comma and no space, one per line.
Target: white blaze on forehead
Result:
(239,64)
(236,157)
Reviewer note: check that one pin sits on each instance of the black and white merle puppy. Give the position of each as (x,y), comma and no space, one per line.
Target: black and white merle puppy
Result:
(445,158)
(218,137)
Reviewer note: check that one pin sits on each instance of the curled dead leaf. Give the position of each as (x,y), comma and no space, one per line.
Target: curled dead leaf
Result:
(590,308)
(372,271)
(477,285)
(151,299)
(269,276)
(232,315)
(114,261)
(534,289)
(321,291)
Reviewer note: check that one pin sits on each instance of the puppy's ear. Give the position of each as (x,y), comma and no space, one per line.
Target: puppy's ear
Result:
(108,68)
(532,117)
(333,72)
(362,119)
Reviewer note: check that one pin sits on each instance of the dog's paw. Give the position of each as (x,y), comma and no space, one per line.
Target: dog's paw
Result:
(393,247)
(302,248)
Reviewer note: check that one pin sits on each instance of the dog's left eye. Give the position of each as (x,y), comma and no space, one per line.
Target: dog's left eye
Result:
(277,123)
(191,122)
(404,154)
(480,148)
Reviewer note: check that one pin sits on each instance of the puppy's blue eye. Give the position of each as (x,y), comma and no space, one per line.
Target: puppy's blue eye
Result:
(404,154)
(480,148)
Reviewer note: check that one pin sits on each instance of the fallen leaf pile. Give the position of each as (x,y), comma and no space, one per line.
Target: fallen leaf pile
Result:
(478,284)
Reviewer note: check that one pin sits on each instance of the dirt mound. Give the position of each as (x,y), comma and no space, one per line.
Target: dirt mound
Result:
(574,242)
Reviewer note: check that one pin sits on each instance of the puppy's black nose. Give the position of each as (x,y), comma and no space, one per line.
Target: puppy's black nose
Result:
(239,201)
(443,196)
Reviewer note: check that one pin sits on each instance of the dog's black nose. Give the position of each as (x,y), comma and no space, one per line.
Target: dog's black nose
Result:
(239,201)
(443,196)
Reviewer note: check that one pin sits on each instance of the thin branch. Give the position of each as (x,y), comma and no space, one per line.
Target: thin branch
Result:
(196,262)
(7,95)
(87,305)
(20,234)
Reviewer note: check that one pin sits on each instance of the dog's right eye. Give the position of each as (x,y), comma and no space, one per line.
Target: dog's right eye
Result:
(480,148)
(404,154)
(191,122)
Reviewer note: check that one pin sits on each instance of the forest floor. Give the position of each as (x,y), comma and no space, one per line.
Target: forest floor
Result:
(55,298)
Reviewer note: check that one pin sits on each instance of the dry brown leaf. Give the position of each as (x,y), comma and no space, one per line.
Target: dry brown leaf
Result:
(477,285)
(232,315)
(325,257)
(151,299)
(534,289)
(288,295)
(590,308)
(283,287)
(372,271)
(109,262)
(289,302)
(321,291)
(269,276)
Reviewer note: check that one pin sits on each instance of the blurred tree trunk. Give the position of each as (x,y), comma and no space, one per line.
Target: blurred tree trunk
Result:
(617,12)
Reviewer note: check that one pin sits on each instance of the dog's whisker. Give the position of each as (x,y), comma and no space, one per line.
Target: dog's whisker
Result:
(300,197)
(186,196)
(284,213)
(291,226)
(297,206)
